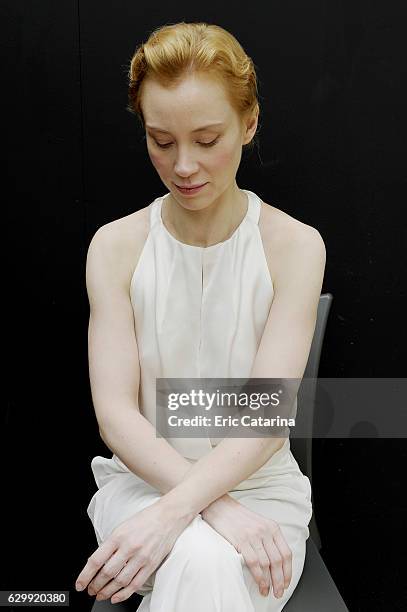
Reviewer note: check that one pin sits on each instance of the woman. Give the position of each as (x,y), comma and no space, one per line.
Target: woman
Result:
(203,282)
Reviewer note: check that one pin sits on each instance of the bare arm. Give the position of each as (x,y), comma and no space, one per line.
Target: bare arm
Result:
(283,353)
(114,368)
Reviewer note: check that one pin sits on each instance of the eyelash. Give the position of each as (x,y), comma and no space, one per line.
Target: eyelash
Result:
(204,144)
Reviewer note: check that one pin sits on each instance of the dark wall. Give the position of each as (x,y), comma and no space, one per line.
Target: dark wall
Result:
(332,154)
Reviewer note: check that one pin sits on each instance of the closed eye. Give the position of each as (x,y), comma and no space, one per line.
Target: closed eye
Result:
(203,144)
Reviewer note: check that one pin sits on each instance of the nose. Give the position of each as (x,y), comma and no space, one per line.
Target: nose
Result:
(185,164)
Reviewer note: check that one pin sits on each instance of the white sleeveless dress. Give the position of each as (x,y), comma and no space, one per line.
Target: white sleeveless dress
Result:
(201,312)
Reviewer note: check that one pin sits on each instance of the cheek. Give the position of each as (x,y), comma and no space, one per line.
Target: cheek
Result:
(157,160)
(223,158)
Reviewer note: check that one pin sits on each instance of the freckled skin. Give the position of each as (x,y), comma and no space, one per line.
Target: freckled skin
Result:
(197,100)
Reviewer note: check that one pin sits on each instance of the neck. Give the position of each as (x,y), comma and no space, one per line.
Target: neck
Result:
(205,226)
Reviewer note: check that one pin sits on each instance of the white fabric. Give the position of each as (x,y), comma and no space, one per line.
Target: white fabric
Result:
(200,312)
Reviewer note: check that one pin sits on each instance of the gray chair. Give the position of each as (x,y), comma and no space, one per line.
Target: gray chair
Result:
(316,591)
(301,448)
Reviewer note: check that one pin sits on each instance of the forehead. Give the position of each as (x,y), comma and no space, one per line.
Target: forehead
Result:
(195,101)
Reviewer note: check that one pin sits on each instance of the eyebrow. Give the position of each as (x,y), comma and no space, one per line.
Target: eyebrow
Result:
(200,129)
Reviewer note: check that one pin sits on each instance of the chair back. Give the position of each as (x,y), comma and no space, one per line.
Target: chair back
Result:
(301,448)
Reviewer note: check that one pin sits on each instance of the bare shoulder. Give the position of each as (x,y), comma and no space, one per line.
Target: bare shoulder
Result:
(119,243)
(286,238)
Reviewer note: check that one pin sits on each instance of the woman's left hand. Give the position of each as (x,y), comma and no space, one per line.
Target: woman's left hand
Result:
(132,552)
(257,538)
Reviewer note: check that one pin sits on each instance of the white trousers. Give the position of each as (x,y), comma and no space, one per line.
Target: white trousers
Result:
(203,571)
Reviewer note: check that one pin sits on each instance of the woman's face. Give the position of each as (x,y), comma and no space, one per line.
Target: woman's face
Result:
(185,152)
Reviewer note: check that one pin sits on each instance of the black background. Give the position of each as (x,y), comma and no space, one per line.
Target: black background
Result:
(332,154)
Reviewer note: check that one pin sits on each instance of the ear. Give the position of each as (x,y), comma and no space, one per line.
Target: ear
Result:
(250,126)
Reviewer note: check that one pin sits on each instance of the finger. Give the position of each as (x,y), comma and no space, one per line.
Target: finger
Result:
(264,563)
(106,573)
(276,567)
(287,557)
(94,563)
(137,582)
(252,561)
(121,579)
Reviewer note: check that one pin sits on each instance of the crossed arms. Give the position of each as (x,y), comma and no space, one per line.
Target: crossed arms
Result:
(114,368)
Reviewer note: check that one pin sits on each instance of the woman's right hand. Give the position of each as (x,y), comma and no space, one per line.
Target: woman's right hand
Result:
(131,553)
(258,539)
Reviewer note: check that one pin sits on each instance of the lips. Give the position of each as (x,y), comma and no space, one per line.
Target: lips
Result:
(190,186)
(190,191)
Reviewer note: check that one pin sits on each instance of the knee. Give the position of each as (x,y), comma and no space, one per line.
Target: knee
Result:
(203,551)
